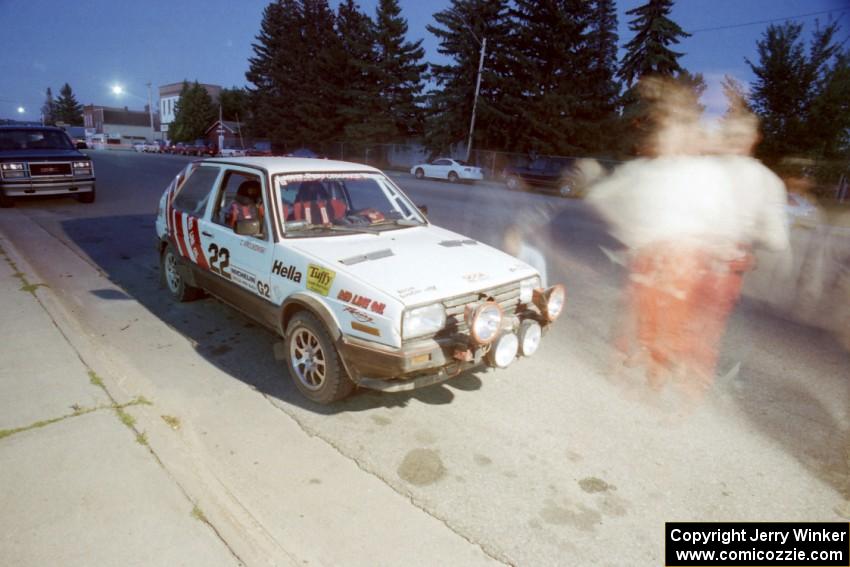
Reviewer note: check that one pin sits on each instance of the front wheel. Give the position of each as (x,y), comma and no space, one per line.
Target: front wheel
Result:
(177,286)
(453,177)
(420,173)
(313,361)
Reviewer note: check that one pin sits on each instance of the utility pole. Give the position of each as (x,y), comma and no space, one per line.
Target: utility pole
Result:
(475,100)
(150,110)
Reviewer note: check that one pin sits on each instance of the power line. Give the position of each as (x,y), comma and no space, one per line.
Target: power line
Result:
(770,21)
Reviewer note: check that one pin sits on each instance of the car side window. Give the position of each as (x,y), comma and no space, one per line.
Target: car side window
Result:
(195,193)
(539,163)
(441,162)
(240,197)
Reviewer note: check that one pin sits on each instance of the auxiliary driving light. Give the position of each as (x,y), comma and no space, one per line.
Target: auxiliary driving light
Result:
(551,301)
(504,351)
(529,337)
(484,322)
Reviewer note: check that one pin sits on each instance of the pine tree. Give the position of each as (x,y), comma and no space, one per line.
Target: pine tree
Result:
(362,108)
(648,52)
(295,73)
(399,69)
(551,60)
(598,127)
(459,29)
(788,82)
(193,114)
(234,104)
(48,109)
(66,107)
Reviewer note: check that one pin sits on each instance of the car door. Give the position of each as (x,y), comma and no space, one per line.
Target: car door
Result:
(440,169)
(239,264)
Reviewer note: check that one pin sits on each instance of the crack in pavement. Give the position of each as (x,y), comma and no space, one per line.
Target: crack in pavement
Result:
(493,554)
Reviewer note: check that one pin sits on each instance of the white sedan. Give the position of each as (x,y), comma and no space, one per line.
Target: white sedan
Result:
(444,168)
(231,152)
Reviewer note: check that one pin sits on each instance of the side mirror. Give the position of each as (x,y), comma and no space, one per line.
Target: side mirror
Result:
(82,146)
(248,227)
(423,209)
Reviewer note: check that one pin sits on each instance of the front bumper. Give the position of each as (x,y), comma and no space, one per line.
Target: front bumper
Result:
(30,187)
(415,365)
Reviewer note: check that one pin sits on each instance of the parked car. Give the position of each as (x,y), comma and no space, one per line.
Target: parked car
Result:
(259,149)
(139,146)
(445,168)
(232,152)
(336,260)
(154,147)
(42,160)
(544,173)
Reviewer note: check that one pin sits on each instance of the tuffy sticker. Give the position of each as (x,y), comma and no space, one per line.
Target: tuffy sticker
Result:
(319,279)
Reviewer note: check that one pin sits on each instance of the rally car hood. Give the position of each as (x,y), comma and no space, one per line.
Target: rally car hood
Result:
(417,265)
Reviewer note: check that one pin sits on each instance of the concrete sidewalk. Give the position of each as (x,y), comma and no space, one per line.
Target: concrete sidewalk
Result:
(80,485)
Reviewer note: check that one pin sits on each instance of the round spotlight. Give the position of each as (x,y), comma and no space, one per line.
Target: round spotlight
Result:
(555,302)
(504,351)
(484,322)
(529,337)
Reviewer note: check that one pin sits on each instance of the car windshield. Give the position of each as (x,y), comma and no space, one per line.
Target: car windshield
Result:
(28,139)
(319,204)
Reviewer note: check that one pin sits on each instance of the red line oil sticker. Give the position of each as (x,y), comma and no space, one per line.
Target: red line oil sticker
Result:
(361,301)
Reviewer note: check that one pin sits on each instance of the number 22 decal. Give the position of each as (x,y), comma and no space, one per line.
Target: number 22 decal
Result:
(222,256)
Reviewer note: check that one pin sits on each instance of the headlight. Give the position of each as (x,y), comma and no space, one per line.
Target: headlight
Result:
(82,165)
(423,321)
(526,289)
(550,301)
(484,322)
(12,166)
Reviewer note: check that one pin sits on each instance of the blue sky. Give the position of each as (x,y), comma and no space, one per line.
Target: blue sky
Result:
(93,44)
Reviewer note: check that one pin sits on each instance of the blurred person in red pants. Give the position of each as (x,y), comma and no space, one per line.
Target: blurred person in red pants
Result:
(688,214)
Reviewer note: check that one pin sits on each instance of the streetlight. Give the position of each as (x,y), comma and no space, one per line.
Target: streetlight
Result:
(21,110)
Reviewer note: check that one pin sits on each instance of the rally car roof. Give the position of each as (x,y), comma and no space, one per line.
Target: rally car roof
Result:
(275,165)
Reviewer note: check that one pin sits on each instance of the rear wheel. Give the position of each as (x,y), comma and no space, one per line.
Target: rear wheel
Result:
(313,361)
(177,286)
(419,173)
(87,197)
(453,177)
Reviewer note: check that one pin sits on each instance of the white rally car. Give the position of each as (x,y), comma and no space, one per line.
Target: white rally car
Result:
(334,258)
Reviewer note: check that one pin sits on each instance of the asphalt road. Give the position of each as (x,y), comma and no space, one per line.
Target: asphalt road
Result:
(548,462)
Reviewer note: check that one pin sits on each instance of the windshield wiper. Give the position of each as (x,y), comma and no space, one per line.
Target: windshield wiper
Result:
(332,228)
(398,222)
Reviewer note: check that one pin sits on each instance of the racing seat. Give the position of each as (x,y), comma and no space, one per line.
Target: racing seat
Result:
(247,204)
(313,205)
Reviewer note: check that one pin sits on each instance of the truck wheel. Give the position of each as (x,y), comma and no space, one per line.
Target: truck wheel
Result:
(313,361)
(453,177)
(6,201)
(419,173)
(87,197)
(179,289)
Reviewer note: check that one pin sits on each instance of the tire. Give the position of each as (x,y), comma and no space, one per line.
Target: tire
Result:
(313,362)
(172,279)
(87,197)
(6,201)
(453,177)
(419,173)
(514,183)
